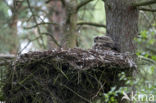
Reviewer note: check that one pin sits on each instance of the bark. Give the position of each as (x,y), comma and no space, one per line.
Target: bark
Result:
(122,24)
(122,27)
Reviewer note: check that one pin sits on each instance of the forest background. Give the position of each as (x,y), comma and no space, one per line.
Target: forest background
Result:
(25,26)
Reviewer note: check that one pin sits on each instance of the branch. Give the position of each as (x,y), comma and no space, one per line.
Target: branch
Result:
(33,15)
(6,59)
(5,56)
(145,3)
(104,0)
(48,1)
(91,24)
(82,4)
(63,2)
(43,23)
(147,59)
(35,20)
(53,38)
(5,63)
(29,41)
(148,10)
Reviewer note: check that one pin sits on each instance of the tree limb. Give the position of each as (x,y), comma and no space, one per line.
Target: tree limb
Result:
(29,41)
(145,3)
(35,20)
(63,2)
(82,4)
(7,56)
(6,59)
(53,38)
(4,63)
(36,25)
(91,24)
(148,10)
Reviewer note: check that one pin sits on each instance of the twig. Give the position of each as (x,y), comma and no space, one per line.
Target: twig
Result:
(146,18)
(149,10)
(53,38)
(5,63)
(63,2)
(29,43)
(76,93)
(6,59)
(42,23)
(93,28)
(147,59)
(97,92)
(91,24)
(145,3)
(82,4)
(7,56)
(48,1)
(35,20)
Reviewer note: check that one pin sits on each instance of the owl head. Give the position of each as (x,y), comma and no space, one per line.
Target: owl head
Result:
(103,43)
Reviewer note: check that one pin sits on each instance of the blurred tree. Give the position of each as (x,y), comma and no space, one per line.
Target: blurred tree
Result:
(14,8)
(64,14)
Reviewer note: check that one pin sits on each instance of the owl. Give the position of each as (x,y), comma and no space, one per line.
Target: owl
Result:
(103,43)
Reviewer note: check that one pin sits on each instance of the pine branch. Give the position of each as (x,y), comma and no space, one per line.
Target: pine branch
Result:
(148,10)
(91,24)
(145,3)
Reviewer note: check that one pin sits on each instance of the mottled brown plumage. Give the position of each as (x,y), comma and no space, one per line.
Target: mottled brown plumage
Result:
(103,43)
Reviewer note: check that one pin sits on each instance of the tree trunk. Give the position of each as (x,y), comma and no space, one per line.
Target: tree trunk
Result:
(122,27)
(122,23)
(65,16)
(56,15)
(70,37)
(13,27)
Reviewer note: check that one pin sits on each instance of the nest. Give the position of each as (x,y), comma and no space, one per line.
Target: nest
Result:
(64,76)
